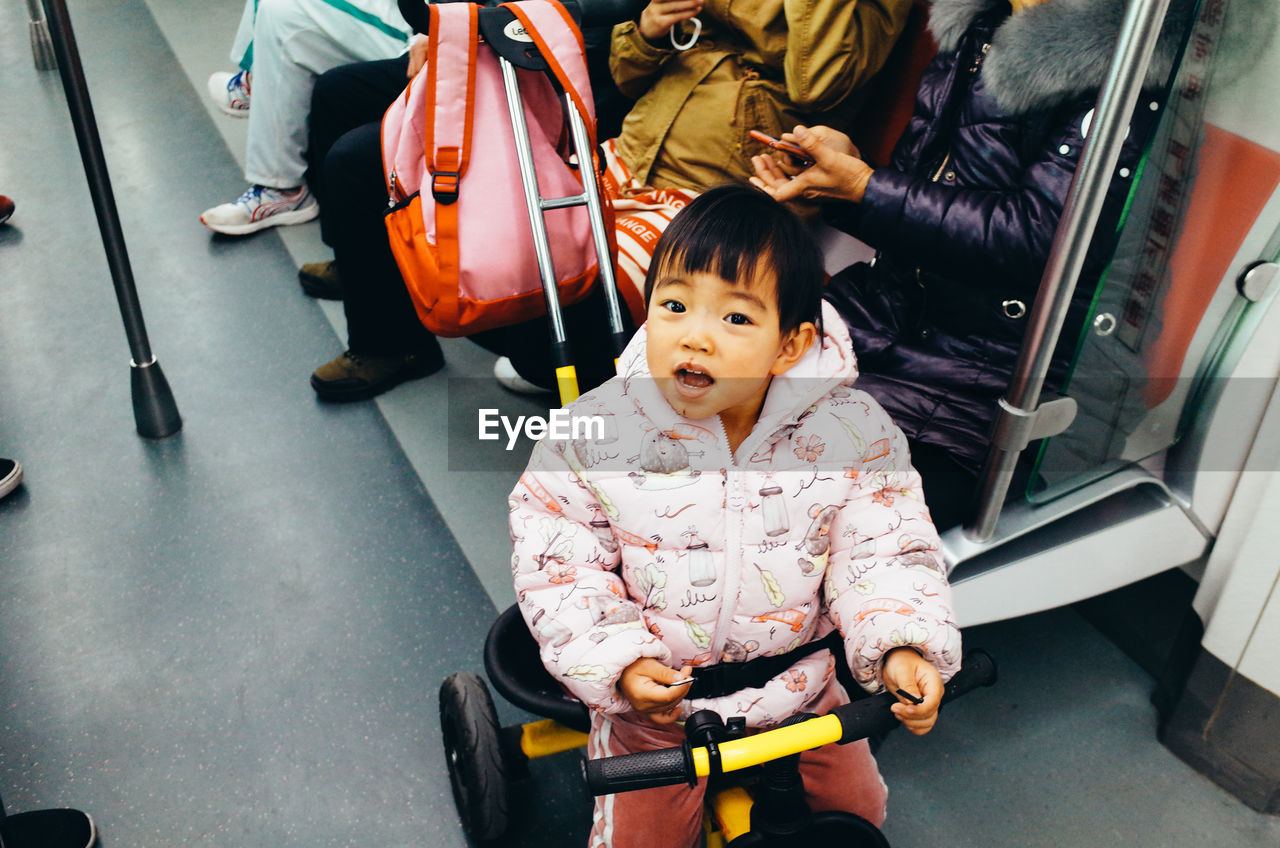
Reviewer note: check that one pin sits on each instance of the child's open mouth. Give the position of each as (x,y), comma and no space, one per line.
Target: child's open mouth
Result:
(692,382)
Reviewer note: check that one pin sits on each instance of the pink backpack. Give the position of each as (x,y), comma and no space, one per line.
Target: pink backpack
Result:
(459,227)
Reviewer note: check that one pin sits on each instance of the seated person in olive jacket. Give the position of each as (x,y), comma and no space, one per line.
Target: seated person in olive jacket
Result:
(963,217)
(752,64)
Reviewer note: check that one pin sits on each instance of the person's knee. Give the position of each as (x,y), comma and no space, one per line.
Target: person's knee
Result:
(272,14)
(356,158)
(331,89)
(291,15)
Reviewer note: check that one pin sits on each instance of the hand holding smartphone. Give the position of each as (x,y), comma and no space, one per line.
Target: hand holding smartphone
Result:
(795,151)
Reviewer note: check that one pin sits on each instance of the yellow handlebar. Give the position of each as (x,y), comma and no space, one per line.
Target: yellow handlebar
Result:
(738,754)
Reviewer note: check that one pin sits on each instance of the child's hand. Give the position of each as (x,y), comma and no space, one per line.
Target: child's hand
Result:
(660,16)
(417,54)
(837,172)
(644,684)
(906,670)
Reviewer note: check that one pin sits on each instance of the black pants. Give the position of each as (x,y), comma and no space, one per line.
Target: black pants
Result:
(345,155)
(950,490)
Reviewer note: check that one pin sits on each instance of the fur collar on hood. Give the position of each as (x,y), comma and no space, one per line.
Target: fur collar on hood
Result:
(1057,50)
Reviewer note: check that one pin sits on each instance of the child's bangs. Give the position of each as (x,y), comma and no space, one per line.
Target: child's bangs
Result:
(736,232)
(734,260)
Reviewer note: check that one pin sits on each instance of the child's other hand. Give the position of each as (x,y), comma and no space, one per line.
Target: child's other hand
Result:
(906,670)
(644,684)
(660,16)
(837,172)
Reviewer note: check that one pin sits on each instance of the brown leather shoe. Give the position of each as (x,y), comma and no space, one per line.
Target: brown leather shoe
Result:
(321,279)
(359,377)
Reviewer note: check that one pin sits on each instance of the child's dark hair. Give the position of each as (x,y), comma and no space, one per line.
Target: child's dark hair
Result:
(728,230)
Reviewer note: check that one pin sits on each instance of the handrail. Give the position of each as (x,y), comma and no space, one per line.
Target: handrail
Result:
(1119,95)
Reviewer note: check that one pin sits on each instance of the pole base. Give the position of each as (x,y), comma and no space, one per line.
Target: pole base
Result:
(154,409)
(42,47)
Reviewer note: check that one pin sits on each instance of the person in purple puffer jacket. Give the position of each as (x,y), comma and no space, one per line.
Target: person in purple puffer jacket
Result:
(740,508)
(964,214)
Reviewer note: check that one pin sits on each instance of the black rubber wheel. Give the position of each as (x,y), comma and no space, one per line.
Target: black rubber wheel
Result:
(473,751)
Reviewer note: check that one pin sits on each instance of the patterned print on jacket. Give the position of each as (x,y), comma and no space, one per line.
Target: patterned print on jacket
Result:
(655,541)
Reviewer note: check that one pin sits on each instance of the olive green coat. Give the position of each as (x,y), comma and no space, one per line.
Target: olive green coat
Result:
(758,64)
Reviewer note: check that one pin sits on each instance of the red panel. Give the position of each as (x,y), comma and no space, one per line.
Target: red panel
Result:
(1235,179)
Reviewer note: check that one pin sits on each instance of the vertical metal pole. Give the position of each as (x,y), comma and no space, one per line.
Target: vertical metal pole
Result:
(566,378)
(1138,34)
(154,409)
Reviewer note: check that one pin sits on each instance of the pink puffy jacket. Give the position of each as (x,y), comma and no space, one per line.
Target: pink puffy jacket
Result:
(654,541)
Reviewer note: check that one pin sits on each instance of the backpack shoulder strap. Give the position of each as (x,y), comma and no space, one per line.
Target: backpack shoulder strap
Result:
(560,42)
(451,77)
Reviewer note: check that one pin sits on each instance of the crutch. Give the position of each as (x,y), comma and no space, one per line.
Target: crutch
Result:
(566,375)
(494,23)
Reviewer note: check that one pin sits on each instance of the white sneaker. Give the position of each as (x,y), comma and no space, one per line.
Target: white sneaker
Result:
(261,207)
(507,375)
(230,92)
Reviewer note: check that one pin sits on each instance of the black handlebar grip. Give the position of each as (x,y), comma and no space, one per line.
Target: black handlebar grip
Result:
(976,669)
(663,767)
(871,716)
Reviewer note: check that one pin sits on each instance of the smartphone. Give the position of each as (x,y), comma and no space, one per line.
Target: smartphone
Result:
(795,151)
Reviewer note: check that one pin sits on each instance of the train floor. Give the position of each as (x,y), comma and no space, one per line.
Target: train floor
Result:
(235,635)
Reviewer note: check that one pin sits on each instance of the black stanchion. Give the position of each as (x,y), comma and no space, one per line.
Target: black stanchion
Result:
(154,410)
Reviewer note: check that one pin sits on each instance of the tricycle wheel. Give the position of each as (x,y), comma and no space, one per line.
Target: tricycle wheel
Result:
(473,751)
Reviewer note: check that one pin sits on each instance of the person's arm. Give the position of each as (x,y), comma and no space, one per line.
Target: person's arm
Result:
(640,48)
(836,46)
(886,585)
(588,630)
(990,237)
(837,172)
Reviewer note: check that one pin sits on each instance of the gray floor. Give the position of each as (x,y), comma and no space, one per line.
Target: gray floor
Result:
(234,636)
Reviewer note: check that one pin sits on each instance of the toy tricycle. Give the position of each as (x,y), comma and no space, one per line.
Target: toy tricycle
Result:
(484,757)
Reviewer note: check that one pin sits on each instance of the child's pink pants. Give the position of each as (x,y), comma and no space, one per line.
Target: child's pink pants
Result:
(836,777)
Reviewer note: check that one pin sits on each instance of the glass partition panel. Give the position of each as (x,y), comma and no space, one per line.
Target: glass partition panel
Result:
(1194,200)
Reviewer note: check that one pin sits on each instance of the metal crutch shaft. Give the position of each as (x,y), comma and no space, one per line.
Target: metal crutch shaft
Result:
(604,257)
(566,377)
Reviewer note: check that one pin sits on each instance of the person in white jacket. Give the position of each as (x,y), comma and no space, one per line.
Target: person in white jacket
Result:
(281,47)
(737,504)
